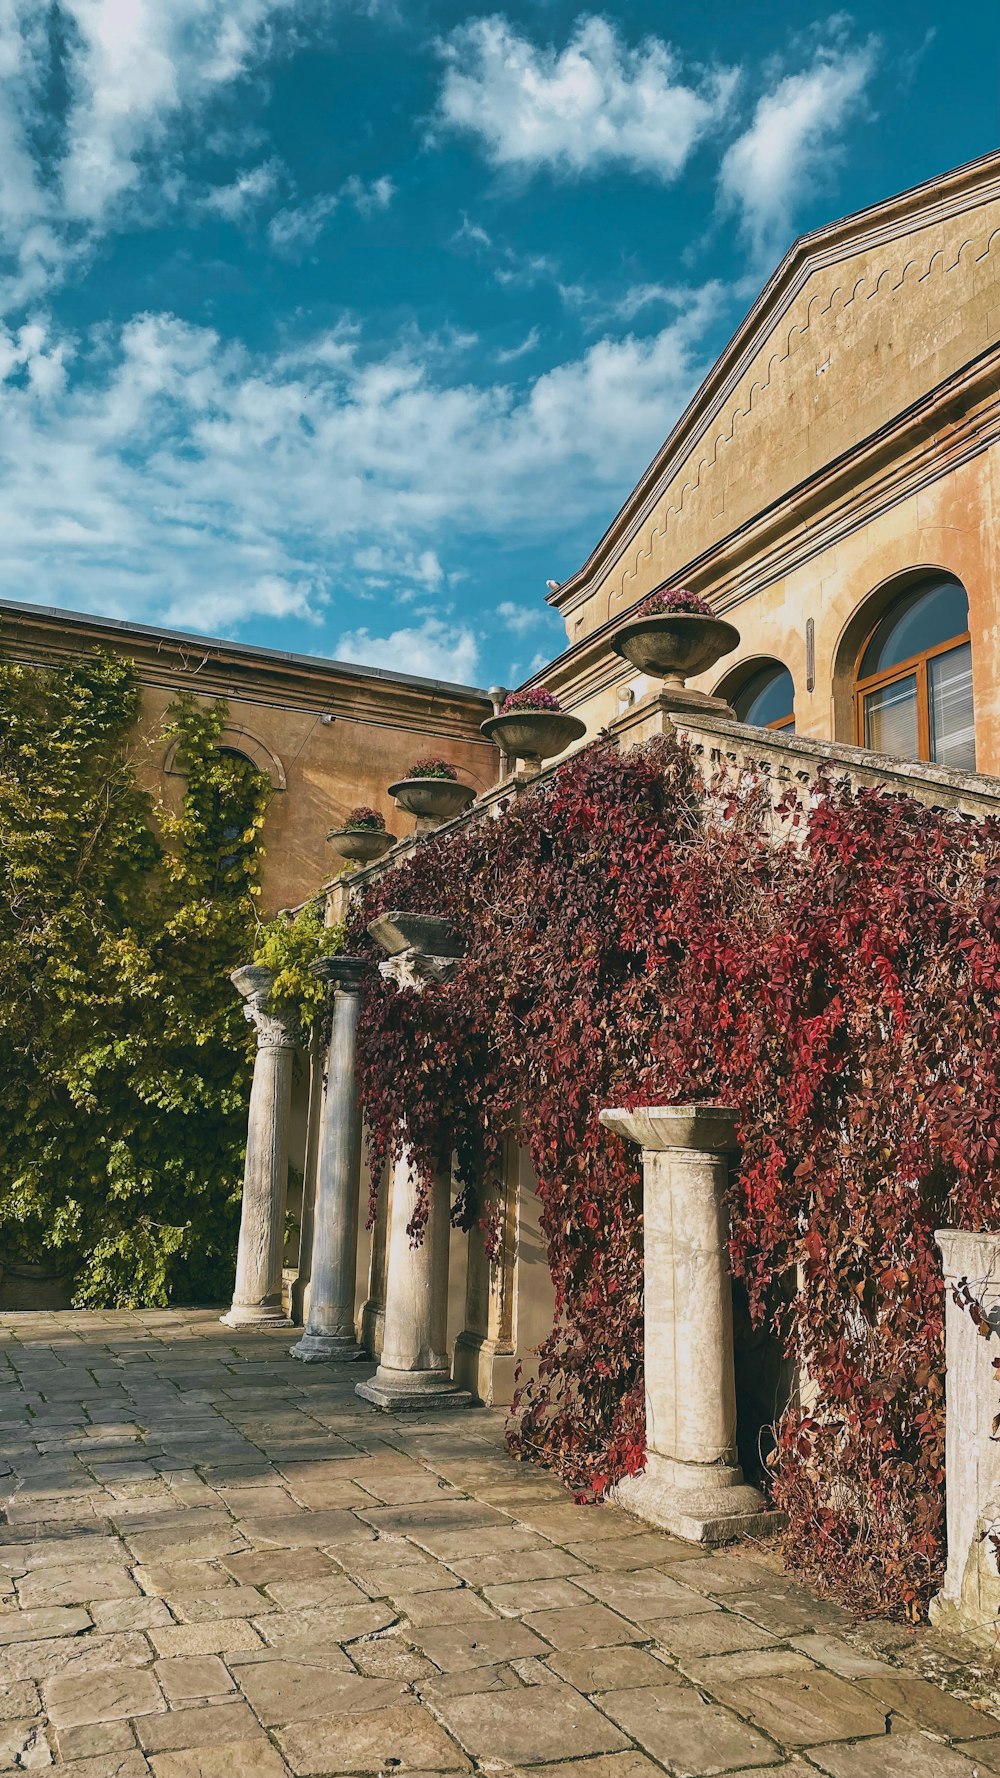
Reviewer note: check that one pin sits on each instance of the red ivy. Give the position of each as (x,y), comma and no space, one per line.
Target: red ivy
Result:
(632,939)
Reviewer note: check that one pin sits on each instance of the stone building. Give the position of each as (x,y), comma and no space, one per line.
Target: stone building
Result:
(831,490)
(327,735)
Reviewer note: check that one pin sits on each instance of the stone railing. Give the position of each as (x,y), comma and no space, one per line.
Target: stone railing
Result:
(790,762)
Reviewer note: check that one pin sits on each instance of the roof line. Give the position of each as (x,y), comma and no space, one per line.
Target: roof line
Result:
(249,651)
(984,168)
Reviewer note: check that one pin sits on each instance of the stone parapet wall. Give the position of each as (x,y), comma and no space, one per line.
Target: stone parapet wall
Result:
(791,760)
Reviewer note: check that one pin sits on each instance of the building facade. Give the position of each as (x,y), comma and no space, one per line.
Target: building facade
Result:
(328,736)
(832,491)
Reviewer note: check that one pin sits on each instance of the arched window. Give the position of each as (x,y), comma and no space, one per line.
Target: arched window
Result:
(913,686)
(234,804)
(767,698)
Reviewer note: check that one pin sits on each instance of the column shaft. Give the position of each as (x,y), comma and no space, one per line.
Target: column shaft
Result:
(692,1484)
(413,1365)
(257,1294)
(690,1385)
(330,1327)
(969,1600)
(414,1362)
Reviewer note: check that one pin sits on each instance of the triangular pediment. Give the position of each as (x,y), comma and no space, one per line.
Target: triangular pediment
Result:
(859,321)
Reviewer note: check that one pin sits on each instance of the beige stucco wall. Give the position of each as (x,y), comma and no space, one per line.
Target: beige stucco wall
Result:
(857,344)
(948,526)
(328,770)
(844,442)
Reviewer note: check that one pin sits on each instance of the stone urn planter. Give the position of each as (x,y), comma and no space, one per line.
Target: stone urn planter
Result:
(27,1285)
(361,845)
(673,646)
(534,735)
(432,800)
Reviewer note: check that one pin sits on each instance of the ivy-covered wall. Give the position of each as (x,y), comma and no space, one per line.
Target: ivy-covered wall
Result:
(124,1064)
(633,938)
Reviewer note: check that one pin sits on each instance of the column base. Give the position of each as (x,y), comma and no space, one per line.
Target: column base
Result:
(255,1315)
(716,1512)
(372,1323)
(475,1362)
(407,1392)
(316,1348)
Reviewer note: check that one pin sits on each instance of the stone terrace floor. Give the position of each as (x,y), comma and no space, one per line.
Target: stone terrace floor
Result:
(217,1563)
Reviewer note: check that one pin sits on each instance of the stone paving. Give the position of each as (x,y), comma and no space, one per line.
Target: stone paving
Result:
(218,1563)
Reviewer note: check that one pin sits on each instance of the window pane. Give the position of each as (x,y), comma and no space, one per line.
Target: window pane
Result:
(767,697)
(891,719)
(953,734)
(923,618)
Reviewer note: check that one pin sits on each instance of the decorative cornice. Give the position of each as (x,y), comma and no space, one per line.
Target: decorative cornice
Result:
(951,424)
(234,670)
(951,194)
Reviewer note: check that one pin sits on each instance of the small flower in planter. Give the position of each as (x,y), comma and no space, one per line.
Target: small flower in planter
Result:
(670,599)
(536,698)
(432,768)
(364,820)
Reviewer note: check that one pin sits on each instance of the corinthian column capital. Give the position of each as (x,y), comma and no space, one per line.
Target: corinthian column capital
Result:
(422,948)
(281,1031)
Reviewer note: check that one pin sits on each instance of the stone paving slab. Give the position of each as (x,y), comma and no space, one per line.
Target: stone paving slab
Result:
(217,1563)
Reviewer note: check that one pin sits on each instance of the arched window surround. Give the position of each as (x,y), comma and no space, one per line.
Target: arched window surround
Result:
(919,676)
(236,740)
(741,677)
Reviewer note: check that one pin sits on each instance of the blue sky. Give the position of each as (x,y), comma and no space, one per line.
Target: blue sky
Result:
(343,327)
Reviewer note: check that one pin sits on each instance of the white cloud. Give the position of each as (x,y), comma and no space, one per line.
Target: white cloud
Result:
(158,473)
(519,619)
(294,230)
(214,610)
(238,200)
(377,195)
(593,104)
(513,353)
(134,64)
(131,70)
(434,649)
(792,142)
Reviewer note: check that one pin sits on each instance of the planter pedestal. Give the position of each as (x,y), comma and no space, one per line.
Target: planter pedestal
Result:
(692,1485)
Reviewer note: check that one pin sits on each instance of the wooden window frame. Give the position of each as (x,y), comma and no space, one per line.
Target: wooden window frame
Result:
(916,666)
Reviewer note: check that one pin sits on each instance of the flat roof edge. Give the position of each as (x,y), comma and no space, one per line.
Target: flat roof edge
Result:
(250,651)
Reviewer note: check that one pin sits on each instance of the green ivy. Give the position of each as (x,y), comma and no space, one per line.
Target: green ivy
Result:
(124,1057)
(288,944)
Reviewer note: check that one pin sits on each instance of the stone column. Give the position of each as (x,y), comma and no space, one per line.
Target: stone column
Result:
(373,1313)
(413,1369)
(692,1485)
(969,1600)
(330,1329)
(300,1290)
(257,1296)
(487,1336)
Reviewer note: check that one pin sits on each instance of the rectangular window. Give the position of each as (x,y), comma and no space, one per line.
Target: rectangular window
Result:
(891,719)
(953,733)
